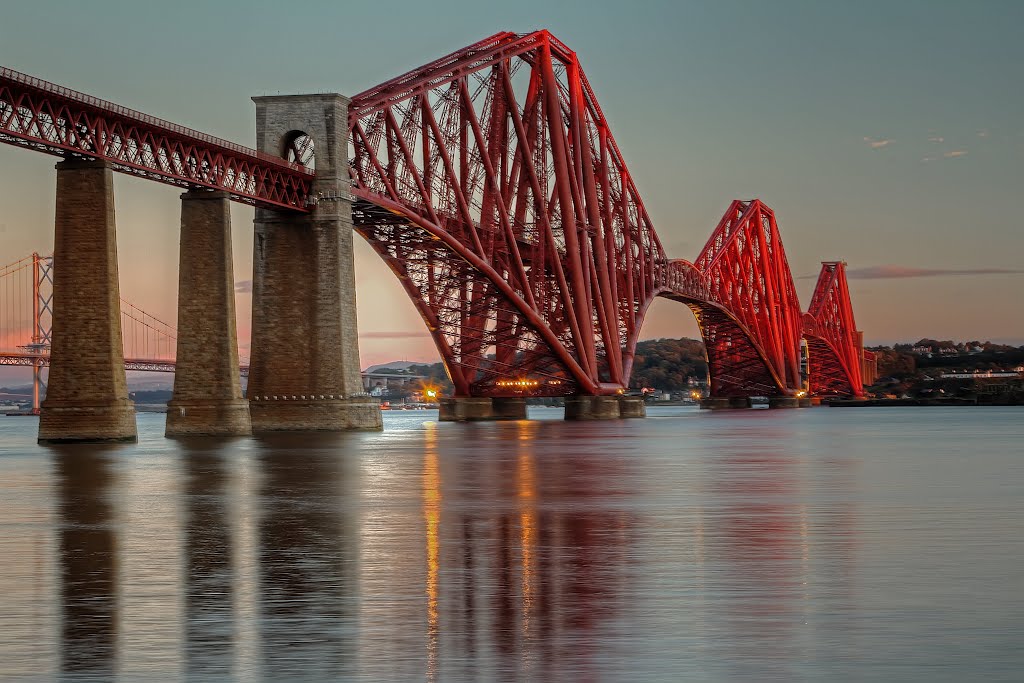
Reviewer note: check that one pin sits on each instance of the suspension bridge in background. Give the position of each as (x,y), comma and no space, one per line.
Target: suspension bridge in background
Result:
(490,184)
(26,325)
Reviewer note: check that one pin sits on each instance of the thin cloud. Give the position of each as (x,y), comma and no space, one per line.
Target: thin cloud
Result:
(878,143)
(936,138)
(890,272)
(954,154)
(243,287)
(928,160)
(983,133)
(393,335)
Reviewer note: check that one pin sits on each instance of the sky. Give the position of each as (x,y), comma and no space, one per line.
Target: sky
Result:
(886,134)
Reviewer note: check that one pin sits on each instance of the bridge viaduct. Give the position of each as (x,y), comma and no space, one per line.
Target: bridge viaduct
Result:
(490,184)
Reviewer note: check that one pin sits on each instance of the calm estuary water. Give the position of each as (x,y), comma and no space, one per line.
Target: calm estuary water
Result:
(807,545)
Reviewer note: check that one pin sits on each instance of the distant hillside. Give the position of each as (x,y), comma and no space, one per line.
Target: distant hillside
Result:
(668,364)
(393,365)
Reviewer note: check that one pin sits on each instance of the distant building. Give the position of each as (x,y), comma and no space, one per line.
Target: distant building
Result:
(983,374)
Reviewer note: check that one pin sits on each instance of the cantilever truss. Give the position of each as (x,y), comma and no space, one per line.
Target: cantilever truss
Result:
(831,332)
(509,215)
(490,183)
(748,276)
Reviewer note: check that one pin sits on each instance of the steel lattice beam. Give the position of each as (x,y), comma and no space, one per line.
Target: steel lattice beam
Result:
(60,121)
(490,183)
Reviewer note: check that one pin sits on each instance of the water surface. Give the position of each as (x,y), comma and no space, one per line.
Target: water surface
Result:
(821,544)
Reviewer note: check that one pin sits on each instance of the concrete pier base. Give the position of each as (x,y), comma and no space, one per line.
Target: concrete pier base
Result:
(815,400)
(715,403)
(308,413)
(805,402)
(207,398)
(473,409)
(739,402)
(508,408)
(783,402)
(592,408)
(632,407)
(207,418)
(304,369)
(87,393)
(465,409)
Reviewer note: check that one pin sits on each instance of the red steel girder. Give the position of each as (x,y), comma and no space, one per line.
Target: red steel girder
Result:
(749,276)
(490,183)
(464,312)
(499,159)
(60,121)
(831,332)
(501,152)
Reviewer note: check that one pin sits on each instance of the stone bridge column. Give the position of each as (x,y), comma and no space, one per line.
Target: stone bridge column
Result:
(304,367)
(582,407)
(476,409)
(207,399)
(87,392)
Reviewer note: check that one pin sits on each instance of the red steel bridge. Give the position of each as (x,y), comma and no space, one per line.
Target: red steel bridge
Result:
(490,183)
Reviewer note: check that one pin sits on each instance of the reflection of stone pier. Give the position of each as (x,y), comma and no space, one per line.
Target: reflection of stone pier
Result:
(209,563)
(87,564)
(307,557)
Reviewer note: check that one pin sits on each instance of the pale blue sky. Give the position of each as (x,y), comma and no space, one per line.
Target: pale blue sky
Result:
(883,133)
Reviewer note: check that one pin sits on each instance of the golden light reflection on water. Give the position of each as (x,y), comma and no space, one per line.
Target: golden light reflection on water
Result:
(432,522)
(527,492)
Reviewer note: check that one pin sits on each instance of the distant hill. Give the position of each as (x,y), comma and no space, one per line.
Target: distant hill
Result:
(393,365)
(668,364)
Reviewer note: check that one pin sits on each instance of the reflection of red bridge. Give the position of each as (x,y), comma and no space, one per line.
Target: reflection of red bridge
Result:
(488,181)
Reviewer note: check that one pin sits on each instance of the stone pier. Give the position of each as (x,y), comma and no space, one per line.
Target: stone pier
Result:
(592,408)
(739,402)
(508,408)
(304,367)
(715,403)
(632,406)
(207,399)
(87,392)
(783,402)
(473,409)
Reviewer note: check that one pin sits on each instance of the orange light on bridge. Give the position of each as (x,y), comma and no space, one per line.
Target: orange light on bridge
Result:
(520,383)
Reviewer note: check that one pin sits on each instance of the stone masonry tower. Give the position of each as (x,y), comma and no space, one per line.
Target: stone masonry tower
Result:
(304,367)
